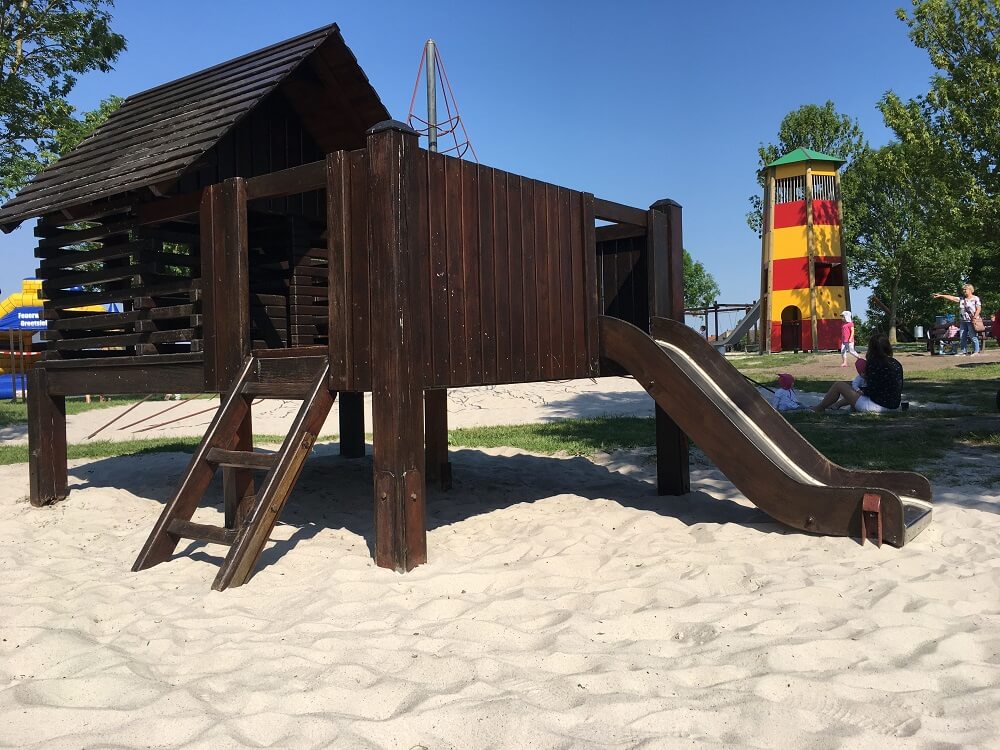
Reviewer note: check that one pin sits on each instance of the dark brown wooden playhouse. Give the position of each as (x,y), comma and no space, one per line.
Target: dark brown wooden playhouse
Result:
(268,231)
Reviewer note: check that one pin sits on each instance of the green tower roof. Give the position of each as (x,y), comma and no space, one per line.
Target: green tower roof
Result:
(805,154)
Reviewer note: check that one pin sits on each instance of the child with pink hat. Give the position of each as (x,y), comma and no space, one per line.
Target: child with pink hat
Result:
(784,398)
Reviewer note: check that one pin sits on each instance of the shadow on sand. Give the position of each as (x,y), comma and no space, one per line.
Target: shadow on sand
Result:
(336,493)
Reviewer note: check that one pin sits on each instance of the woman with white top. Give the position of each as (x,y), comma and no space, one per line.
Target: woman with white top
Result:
(969,307)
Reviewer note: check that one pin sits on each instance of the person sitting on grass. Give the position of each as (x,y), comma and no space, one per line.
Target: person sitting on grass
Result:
(859,382)
(784,398)
(884,390)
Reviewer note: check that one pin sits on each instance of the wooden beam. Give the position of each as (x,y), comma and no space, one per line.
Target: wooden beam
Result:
(398,321)
(436,428)
(612,232)
(47,468)
(225,282)
(352,424)
(285,182)
(123,379)
(664,248)
(619,213)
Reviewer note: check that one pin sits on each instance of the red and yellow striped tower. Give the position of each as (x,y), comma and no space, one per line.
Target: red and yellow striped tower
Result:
(803,279)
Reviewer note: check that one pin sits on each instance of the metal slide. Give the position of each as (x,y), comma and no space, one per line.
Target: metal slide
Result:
(754,446)
(741,330)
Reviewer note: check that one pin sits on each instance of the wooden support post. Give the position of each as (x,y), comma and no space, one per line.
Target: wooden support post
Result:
(225,282)
(237,483)
(664,243)
(811,249)
(436,427)
(352,424)
(398,326)
(47,468)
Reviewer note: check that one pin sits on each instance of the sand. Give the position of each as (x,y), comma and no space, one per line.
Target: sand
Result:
(565,605)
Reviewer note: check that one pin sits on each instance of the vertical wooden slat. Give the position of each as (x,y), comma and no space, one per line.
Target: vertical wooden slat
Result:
(517,271)
(543,281)
(532,355)
(471,260)
(422,229)
(457,337)
(570,306)
(583,221)
(501,278)
(438,252)
(397,373)
(360,272)
(338,232)
(487,279)
(47,466)
(436,461)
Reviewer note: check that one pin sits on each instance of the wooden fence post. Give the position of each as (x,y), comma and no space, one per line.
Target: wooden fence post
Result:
(47,468)
(436,427)
(225,282)
(665,243)
(398,323)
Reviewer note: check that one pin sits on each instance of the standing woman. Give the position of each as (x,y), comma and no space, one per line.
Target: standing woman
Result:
(969,307)
(884,389)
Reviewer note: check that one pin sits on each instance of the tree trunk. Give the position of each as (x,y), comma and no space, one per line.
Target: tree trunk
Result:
(893,304)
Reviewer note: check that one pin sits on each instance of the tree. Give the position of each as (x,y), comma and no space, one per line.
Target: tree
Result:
(700,288)
(957,121)
(897,247)
(820,128)
(44,46)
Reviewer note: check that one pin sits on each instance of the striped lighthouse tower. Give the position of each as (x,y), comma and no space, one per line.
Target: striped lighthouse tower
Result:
(803,280)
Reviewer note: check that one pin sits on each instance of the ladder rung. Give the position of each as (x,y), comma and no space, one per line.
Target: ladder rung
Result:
(241,459)
(277,390)
(202,532)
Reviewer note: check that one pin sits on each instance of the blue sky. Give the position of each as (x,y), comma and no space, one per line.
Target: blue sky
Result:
(633,101)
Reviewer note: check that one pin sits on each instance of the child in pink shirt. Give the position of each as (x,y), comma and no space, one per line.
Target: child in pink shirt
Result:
(847,338)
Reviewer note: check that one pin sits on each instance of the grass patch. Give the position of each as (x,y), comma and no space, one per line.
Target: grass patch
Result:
(578,437)
(16,454)
(14,412)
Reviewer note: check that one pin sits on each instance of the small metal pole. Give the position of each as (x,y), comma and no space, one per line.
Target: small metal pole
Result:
(432,134)
(13,368)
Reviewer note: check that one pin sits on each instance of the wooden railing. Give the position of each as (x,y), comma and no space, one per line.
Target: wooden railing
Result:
(140,282)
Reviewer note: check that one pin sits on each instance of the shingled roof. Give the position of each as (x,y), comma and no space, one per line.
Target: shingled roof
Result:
(160,133)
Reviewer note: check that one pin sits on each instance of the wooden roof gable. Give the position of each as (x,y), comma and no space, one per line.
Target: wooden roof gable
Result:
(159,134)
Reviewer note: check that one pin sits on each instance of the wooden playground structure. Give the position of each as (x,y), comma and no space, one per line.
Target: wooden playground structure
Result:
(270,232)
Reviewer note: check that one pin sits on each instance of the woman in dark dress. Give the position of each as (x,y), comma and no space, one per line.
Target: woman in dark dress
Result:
(884,390)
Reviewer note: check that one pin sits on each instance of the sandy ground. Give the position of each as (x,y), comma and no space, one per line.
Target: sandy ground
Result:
(564,606)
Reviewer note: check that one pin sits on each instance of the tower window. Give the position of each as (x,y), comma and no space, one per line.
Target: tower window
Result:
(790,189)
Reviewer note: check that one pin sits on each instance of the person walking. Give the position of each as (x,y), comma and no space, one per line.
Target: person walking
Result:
(970,310)
(847,338)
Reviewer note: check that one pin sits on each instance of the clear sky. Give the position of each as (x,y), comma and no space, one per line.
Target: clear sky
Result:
(632,101)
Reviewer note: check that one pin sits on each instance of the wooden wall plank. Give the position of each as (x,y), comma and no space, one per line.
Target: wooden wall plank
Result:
(516,271)
(591,289)
(545,292)
(488,280)
(457,336)
(438,252)
(502,272)
(529,267)
(471,259)
(571,295)
(360,290)
(338,229)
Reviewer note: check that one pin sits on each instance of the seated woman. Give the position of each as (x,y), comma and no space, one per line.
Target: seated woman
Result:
(884,389)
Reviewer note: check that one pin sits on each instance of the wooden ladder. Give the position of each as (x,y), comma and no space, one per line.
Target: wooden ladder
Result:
(249,516)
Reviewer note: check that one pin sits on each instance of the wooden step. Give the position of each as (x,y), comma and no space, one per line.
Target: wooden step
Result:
(277,390)
(241,459)
(201,532)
